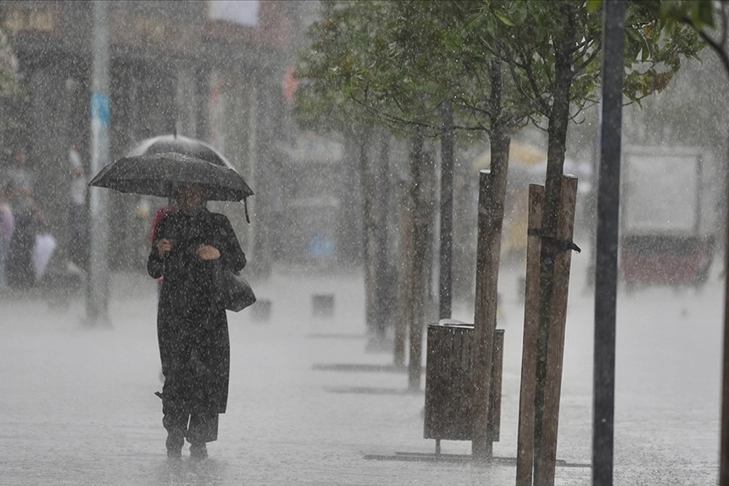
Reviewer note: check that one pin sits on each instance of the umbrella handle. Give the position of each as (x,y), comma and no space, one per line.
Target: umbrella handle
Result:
(245,208)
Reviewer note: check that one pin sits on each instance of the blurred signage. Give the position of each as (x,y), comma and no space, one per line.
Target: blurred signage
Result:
(32,18)
(243,12)
(660,191)
(100,111)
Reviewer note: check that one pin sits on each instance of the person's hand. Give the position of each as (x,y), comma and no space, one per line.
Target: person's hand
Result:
(207,252)
(164,246)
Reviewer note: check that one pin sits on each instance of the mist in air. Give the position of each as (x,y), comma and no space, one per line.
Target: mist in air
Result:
(319,389)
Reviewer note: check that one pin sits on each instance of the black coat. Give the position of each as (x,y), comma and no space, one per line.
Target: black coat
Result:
(192,328)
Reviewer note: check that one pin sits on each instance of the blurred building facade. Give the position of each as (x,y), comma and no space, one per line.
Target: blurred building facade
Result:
(206,69)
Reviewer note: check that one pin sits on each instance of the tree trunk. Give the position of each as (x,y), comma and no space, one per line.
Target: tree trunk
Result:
(557,139)
(383,278)
(404,273)
(419,229)
(446,213)
(490,223)
(369,229)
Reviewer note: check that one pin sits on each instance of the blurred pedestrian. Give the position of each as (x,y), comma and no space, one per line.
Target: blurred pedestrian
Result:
(7,227)
(192,328)
(77,213)
(28,218)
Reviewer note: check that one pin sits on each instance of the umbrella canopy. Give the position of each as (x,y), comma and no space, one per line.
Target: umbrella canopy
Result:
(180,145)
(160,174)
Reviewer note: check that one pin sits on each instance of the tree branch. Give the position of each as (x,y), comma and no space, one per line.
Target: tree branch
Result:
(540,104)
(435,128)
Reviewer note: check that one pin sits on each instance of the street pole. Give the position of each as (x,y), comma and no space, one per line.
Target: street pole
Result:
(97,284)
(446,212)
(606,255)
(724,436)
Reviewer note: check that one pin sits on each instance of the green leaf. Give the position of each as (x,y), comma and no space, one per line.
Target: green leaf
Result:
(706,13)
(593,5)
(501,15)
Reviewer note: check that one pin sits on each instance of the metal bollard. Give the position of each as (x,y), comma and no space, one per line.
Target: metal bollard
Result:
(322,305)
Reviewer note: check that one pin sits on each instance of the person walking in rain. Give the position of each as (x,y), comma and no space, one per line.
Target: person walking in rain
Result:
(28,219)
(192,326)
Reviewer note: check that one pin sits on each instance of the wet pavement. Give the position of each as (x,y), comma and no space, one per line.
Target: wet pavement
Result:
(77,404)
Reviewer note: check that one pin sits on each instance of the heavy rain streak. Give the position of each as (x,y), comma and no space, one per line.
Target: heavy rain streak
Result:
(343,242)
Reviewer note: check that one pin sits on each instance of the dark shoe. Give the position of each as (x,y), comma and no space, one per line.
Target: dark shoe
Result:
(175,441)
(198,451)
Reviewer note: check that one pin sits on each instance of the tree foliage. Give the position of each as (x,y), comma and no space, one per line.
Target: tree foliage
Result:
(334,67)
(709,19)
(398,62)
(654,48)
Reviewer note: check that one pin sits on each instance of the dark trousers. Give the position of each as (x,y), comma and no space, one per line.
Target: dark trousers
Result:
(196,428)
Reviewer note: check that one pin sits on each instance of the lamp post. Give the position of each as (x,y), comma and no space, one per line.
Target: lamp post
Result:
(97,284)
(606,247)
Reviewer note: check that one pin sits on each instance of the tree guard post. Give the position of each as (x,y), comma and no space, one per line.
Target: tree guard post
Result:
(525,441)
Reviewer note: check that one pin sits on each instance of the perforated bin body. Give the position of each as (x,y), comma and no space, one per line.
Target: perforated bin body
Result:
(449,383)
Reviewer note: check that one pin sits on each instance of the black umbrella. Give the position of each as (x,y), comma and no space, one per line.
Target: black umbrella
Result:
(158,165)
(161,174)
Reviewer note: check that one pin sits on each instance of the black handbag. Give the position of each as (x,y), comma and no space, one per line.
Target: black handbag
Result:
(234,292)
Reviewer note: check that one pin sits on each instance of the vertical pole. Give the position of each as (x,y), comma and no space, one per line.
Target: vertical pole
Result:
(724,436)
(724,446)
(446,212)
(97,291)
(606,246)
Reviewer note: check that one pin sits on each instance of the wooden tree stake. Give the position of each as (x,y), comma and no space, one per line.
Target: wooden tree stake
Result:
(525,442)
(544,475)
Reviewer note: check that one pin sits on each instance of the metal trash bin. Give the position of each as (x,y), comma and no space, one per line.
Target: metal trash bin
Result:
(449,407)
